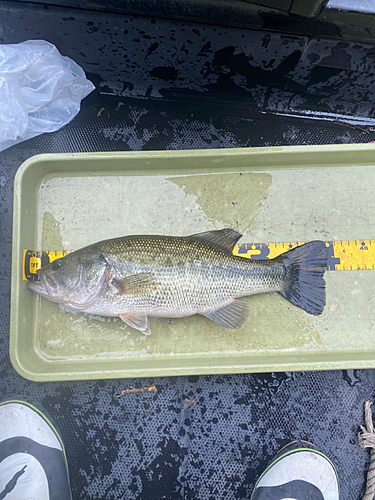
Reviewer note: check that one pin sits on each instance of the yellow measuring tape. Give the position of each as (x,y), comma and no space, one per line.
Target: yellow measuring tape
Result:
(32,261)
(343,255)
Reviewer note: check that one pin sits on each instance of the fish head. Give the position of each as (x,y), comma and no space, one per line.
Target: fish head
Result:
(76,279)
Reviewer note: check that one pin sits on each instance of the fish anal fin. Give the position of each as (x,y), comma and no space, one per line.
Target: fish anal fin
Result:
(137,320)
(137,284)
(225,238)
(231,316)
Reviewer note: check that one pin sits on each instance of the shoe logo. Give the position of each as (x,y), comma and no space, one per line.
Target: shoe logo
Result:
(294,489)
(12,483)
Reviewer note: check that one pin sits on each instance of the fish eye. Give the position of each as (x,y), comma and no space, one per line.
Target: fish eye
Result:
(56,264)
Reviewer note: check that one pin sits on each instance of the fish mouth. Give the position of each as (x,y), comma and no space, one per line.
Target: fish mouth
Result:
(43,286)
(48,287)
(37,287)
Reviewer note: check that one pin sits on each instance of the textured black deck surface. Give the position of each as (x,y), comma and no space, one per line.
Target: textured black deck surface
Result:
(197,437)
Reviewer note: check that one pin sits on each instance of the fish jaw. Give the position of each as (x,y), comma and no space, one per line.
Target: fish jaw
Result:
(47,288)
(79,298)
(37,287)
(40,288)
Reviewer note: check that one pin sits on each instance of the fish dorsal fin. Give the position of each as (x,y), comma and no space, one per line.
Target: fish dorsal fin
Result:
(231,316)
(137,320)
(225,238)
(137,284)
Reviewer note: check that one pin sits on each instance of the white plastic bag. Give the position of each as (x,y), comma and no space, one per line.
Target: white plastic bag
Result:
(40,90)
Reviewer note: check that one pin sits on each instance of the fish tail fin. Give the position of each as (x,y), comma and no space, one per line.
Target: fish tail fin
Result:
(305,285)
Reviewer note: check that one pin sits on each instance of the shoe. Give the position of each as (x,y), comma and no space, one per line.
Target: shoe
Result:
(33,464)
(299,471)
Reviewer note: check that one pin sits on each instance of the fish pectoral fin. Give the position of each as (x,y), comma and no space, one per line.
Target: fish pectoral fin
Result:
(231,316)
(136,284)
(225,238)
(137,320)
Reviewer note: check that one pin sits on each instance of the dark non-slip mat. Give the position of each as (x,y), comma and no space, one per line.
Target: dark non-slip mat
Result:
(197,437)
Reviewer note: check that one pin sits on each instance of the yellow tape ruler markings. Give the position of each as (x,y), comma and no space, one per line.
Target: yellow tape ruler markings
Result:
(32,261)
(343,255)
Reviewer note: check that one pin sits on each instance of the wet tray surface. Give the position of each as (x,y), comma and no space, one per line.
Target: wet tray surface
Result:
(66,201)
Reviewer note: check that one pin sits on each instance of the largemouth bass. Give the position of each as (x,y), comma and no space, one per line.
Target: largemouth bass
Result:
(139,276)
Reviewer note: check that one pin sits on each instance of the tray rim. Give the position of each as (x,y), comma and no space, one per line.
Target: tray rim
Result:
(272,150)
(357,360)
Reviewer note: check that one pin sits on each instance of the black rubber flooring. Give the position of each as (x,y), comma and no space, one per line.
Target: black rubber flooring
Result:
(160,445)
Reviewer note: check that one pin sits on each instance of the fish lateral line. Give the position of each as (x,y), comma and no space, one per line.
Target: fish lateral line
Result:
(129,277)
(342,255)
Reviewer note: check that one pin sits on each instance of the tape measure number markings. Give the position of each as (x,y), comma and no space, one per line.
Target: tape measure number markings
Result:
(343,255)
(32,261)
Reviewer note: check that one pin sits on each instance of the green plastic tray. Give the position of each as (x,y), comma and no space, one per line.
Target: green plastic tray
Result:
(66,201)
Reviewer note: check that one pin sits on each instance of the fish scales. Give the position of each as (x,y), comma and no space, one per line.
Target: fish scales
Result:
(134,277)
(191,275)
